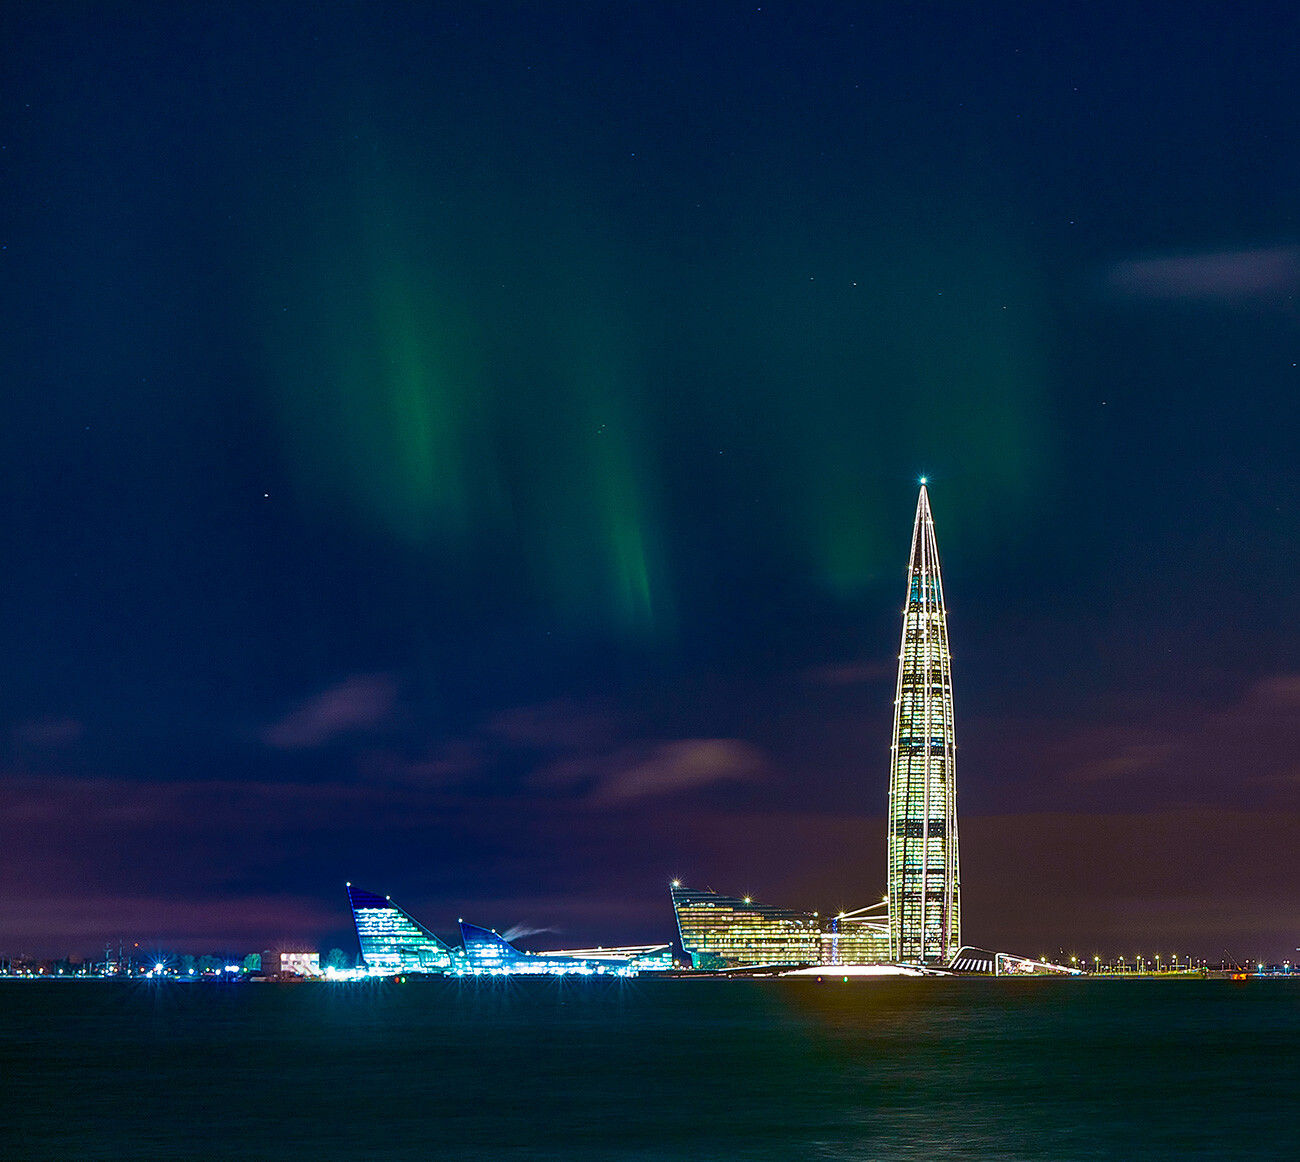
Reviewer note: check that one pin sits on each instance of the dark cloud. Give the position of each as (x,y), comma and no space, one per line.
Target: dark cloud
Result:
(564,724)
(1243,753)
(679,766)
(439,765)
(1229,276)
(49,732)
(361,702)
(653,769)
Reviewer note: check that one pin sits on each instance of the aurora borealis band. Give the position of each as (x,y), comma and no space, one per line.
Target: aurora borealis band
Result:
(469,450)
(542,378)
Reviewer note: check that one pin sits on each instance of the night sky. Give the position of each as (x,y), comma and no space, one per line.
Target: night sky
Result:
(471,450)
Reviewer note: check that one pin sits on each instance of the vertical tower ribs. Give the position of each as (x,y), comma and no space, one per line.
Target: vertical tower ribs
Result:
(924,879)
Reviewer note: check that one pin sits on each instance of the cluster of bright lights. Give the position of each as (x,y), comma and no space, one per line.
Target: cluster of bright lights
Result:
(160,970)
(544,969)
(347,974)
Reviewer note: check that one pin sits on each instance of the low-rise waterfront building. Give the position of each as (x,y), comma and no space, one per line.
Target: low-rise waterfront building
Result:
(393,942)
(728,932)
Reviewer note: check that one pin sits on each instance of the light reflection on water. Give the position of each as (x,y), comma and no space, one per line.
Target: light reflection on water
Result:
(648,1069)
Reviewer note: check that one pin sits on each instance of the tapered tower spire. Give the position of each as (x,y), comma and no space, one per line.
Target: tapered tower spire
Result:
(924,882)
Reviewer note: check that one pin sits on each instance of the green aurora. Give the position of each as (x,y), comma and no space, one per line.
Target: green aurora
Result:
(537,390)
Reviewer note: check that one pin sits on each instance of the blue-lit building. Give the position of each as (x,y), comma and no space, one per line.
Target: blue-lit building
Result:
(393,942)
(485,953)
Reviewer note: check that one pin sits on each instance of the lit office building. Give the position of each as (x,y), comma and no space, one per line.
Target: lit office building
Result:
(924,882)
(391,941)
(284,963)
(727,932)
(722,932)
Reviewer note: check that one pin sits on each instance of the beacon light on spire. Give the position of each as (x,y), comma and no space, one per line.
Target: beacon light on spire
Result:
(924,881)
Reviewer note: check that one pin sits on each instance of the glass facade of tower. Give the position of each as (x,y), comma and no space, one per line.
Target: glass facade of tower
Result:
(924,879)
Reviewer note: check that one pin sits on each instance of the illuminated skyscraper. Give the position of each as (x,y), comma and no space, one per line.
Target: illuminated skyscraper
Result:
(924,882)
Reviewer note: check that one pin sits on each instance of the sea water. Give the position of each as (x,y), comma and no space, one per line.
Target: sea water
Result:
(651,1069)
